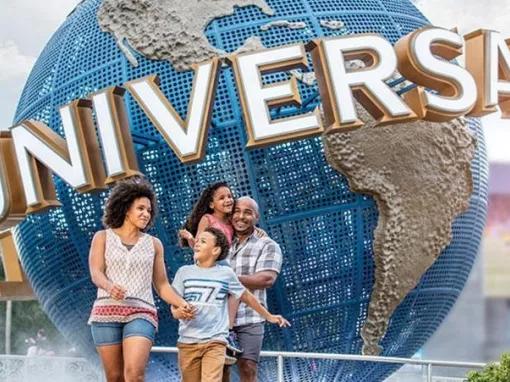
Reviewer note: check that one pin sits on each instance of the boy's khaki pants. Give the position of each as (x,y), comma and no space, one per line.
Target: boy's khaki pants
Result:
(201,362)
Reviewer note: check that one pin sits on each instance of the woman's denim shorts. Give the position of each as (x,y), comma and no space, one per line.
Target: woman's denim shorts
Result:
(112,333)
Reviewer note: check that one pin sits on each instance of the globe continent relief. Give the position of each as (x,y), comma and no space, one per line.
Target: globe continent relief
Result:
(326,231)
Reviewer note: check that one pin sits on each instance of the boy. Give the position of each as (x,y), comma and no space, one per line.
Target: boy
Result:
(206,285)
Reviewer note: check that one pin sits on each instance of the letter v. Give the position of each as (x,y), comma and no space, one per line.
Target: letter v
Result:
(186,138)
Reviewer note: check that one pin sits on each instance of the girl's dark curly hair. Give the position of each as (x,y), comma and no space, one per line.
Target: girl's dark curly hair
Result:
(201,208)
(122,196)
(221,242)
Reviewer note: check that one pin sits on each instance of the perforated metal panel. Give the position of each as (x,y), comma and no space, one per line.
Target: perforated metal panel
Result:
(324,229)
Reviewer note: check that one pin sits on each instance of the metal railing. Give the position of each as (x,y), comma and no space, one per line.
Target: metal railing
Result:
(63,369)
(281,355)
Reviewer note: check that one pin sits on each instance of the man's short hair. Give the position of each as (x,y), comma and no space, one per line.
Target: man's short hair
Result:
(221,242)
(255,204)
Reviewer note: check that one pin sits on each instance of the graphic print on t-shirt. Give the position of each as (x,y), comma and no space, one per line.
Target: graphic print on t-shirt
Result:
(205,291)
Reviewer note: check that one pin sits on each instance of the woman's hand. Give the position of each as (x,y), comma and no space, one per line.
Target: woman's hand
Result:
(279,320)
(117,292)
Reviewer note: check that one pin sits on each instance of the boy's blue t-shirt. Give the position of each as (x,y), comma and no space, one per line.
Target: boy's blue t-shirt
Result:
(208,290)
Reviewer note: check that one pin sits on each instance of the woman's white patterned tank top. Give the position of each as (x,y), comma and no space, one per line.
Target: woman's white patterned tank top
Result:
(133,270)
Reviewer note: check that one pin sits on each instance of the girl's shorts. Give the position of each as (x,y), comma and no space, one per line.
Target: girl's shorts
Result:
(112,333)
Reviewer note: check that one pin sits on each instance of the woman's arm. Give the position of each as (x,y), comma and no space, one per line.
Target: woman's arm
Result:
(97,267)
(160,279)
(249,299)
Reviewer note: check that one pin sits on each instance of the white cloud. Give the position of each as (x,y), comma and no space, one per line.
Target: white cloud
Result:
(14,64)
(31,23)
(470,15)
(43,13)
(25,28)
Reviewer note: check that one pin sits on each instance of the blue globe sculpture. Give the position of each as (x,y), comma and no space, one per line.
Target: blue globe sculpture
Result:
(324,229)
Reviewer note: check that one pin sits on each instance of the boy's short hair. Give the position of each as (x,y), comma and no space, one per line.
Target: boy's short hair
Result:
(221,241)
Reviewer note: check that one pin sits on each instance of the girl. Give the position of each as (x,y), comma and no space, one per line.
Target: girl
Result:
(213,209)
(124,263)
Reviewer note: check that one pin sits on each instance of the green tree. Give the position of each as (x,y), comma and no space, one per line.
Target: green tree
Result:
(27,319)
(493,372)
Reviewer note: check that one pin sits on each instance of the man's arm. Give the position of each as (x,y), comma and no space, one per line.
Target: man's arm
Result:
(259,280)
(267,267)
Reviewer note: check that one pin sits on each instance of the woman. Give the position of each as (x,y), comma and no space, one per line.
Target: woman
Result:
(124,263)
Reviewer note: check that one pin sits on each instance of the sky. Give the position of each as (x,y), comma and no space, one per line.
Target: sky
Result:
(26,26)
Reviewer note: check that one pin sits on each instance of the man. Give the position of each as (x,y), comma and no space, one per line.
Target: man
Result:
(257,262)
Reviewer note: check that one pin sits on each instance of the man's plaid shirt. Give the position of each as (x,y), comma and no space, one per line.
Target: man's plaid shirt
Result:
(255,254)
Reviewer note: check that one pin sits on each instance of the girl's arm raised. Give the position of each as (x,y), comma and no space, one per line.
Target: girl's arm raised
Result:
(202,225)
(249,299)
(186,235)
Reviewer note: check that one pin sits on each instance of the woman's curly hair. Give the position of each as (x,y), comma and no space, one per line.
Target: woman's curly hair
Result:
(201,208)
(122,196)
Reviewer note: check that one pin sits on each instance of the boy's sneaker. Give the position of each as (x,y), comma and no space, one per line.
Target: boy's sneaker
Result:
(230,360)
(232,343)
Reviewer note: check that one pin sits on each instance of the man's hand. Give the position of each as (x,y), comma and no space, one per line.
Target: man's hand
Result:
(279,320)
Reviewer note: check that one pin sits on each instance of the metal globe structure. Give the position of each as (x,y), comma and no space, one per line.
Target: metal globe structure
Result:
(324,229)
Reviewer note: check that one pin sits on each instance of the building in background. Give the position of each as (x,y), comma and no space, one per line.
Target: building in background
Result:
(482,333)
